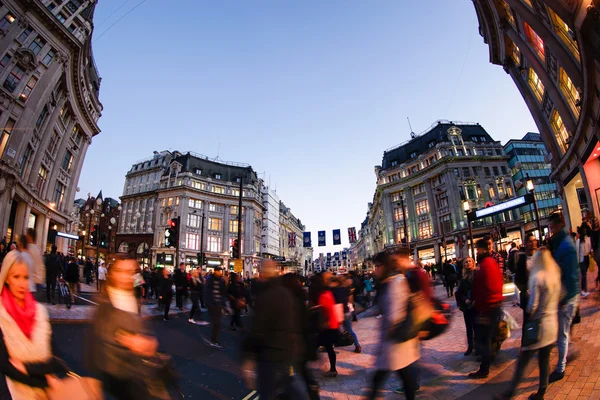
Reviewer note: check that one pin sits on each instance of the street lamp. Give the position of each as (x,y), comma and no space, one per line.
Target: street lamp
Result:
(467,209)
(531,188)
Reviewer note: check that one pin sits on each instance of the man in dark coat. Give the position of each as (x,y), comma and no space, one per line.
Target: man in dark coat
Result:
(181,284)
(53,269)
(216,296)
(275,340)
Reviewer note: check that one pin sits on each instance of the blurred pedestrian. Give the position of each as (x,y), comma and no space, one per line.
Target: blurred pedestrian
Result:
(565,255)
(542,307)
(464,300)
(72,277)
(393,355)
(165,292)
(275,340)
(25,352)
(120,339)
(216,297)
(181,283)
(38,268)
(195,295)
(320,295)
(522,267)
(102,272)
(53,269)
(237,300)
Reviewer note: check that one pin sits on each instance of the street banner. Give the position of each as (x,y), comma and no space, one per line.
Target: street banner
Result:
(328,256)
(328,264)
(321,238)
(307,242)
(337,237)
(336,255)
(344,255)
(292,239)
(352,235)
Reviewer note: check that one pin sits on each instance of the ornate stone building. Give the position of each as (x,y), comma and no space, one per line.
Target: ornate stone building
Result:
(551,50)
(297,257)
(426,182)
(49,109)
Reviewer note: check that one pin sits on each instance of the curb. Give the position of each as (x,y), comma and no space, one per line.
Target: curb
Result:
(72,321)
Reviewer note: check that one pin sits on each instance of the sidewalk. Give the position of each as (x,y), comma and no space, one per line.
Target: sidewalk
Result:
(444,368)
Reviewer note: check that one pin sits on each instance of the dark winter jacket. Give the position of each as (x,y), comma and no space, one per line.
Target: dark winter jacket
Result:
(565,254)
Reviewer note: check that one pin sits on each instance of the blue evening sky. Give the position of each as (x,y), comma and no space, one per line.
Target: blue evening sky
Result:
(310,93)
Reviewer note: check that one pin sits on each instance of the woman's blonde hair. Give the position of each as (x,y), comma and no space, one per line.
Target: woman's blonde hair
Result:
(545,268)
(465,271)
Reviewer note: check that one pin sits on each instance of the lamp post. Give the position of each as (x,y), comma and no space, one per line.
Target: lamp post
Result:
(404,222)
(531,188)
(467,209)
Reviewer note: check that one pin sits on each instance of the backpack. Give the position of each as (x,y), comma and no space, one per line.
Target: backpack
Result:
(439,321)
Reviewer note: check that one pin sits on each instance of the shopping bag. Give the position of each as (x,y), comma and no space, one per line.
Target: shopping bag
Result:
(75,387)
(592,267)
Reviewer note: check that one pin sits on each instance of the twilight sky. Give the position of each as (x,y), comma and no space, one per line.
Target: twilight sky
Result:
(310,93)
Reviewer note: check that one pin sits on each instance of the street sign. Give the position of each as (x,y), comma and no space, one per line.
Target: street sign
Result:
(238,266)
(501,207)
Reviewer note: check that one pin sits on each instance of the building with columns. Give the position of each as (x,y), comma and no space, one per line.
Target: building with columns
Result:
(426,181)
(49,109)
(204,193)
(551,50)
(138,223)
(270,239)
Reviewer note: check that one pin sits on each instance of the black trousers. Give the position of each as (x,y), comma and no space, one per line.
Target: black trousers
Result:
(236,317)
(50,288)
(195,306)
(486,327)
(167,302)
(469,316)
(179,297)
(543,363)
(215,319)
(327,339)
(407,375)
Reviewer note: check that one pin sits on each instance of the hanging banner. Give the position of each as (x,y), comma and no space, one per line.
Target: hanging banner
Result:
(352,235)
(307,242)
(321,238)
(336,255)
(337,237)
(344,255)
(328,256)
(292,239)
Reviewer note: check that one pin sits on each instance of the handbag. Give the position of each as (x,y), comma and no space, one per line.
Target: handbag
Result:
(75,387)
(531,333)
(418,312)
(592,267)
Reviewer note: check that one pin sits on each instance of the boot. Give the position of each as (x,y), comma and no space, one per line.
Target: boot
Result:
(469,351)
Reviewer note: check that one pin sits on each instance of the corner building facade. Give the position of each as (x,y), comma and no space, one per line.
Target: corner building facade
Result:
(551,50)
(432,176)
(49,109)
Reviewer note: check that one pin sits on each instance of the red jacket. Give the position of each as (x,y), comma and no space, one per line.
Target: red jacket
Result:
(487,285)
(327,301)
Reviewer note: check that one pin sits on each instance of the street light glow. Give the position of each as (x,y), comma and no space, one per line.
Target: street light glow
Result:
(530,186)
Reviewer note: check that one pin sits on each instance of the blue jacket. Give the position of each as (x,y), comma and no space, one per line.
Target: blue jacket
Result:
(565,254)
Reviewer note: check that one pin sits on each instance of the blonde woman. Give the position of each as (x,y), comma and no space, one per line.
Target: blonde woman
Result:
(464,300)
(26,361)
(544,293)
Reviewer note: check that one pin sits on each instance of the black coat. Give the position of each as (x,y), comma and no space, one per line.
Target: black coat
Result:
(276,332)
(522,279)
(166,288)
(180,279)
(53,266)
(72,273)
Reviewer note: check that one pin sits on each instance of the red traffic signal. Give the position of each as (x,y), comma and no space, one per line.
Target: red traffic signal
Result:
(172,223)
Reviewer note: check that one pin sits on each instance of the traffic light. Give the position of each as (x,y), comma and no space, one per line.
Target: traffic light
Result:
(103,240)
(199,259)
(172,233)
(235,249)
(94,235)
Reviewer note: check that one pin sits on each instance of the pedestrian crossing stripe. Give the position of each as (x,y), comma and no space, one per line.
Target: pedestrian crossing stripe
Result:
(250,396)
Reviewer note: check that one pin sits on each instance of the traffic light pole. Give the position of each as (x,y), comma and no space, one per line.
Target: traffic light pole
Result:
(239,236)
(177,243)
(202,242)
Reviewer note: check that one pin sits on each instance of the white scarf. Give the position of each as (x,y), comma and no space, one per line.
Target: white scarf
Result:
(123,300)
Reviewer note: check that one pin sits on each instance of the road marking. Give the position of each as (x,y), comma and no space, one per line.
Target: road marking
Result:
(250,395)
(82,298)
